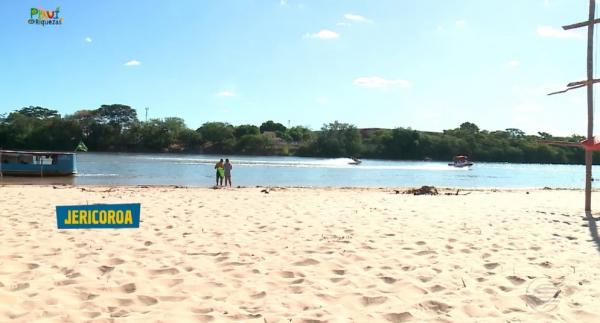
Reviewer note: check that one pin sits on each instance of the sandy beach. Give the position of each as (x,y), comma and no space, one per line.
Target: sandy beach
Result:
(301,255)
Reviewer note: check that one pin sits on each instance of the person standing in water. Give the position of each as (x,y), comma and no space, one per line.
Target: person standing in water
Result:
(227,168)
(220,172)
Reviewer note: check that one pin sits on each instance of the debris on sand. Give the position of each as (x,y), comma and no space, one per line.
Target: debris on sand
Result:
(457,193)
(424,190)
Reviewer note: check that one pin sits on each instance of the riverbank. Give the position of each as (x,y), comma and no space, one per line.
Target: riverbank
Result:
(301,254)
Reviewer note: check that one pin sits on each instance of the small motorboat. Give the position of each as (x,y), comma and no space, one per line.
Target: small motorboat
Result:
(355,161)
(461,161)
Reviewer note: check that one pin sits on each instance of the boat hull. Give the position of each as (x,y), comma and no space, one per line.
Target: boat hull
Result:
(26,164)
(39,173)
(461,165)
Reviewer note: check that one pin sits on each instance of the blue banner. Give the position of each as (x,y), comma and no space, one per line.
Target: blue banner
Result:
(98,216)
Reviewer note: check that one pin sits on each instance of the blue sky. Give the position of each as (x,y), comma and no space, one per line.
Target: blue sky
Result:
(427,64)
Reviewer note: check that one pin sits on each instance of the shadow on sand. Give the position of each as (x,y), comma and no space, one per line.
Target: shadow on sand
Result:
(593,228)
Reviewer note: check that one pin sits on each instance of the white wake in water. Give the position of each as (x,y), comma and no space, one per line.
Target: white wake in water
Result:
(95,175)
(317,163)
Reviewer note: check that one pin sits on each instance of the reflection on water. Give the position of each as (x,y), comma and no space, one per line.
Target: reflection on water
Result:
(197,170)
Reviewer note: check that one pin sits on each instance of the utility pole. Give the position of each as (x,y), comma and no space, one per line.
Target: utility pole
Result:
(590,96)
(147,113)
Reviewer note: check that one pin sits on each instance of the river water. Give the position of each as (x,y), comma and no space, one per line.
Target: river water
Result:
(197,170)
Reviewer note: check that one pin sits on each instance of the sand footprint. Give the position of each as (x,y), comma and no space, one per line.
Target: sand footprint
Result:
(306,262)
(106,269)
(124,301)
(202,310)
(65,282)
(286,274)
(424,279)
(436,288)
(398,317)
(170,271)
(170,282)
(18,287)
(172,298)
(367,301)
(515,280)
(259,295)
(205,318)
(92,314)
(128,288)
(147,300)
(435,306)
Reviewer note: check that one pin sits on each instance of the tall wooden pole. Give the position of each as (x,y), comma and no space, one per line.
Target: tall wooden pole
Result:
(589,83)
(590,105)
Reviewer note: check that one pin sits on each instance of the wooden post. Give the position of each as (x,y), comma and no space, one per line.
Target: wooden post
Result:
(589,83)
(590,105)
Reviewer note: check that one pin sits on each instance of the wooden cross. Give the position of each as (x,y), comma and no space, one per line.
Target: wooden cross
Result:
(589,83)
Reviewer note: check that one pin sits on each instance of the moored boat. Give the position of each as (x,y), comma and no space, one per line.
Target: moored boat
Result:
(37,163)
(461,161)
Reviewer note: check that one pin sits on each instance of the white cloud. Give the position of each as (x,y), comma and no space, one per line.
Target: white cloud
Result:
(323,34)
(376,82)
(549,31)
(88,39)
(321,100)
(512,63)
(356,18)
(461,23)
(132,62)
(225,93)
(283,2)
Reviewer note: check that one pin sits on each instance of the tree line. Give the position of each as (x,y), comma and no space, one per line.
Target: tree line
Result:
(116,128)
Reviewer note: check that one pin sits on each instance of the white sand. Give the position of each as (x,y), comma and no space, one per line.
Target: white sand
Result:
(304,255)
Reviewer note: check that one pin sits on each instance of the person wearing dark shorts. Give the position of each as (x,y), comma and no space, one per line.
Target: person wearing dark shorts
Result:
(220,172)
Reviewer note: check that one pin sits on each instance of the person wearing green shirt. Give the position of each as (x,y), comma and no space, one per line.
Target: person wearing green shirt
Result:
(220,172)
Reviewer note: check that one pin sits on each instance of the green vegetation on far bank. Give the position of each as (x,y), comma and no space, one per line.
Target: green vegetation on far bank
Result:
(116,128)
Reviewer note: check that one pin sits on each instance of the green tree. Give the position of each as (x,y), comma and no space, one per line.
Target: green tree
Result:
(515,133)
(338,139)
(38,113)
(272,126)
(116,114)
(300,134)
(218,137)
(402,144)
(246,129)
